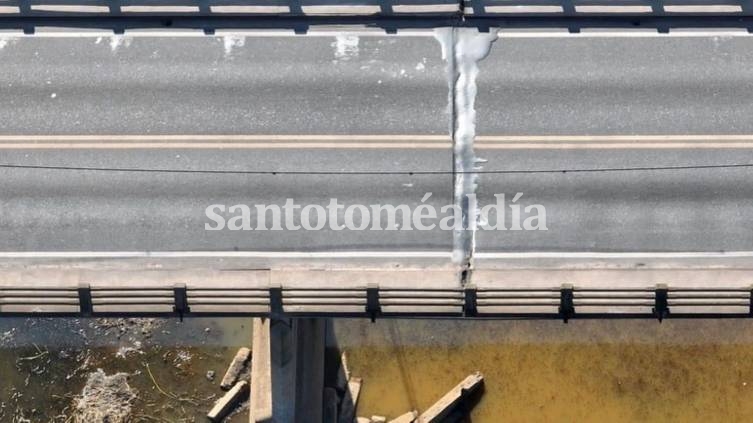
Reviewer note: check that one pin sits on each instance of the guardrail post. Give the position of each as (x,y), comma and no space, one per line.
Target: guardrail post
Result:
(85,306)
(470,303)
(567,306)
(661,302)
(373,308)
(751,301)
(275,301)
(180,296)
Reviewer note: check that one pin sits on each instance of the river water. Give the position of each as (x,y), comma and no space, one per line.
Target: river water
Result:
(542,371)
(599,370)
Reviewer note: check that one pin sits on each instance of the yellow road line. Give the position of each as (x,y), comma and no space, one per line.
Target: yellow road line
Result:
(512,142)
(614,146)
(223,138)
(218,145)
(610,138)
(118,142)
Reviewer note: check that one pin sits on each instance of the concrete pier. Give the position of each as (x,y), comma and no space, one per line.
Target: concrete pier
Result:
(287,371)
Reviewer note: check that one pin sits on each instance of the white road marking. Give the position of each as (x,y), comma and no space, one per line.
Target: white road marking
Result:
(368,254)
(43,32)
(341,10)
(638,33)
(70,8)
(521,9)
(709,8)
(156,9)
(249,9)
(613,9)
(328,32)
(425,8)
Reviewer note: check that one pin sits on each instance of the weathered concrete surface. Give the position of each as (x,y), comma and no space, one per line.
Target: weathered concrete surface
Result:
(236,368)
(225,405)
(287,371)
(445,405)
(260,408)
(408,417)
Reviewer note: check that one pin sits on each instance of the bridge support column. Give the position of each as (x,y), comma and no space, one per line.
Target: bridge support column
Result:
(287,370)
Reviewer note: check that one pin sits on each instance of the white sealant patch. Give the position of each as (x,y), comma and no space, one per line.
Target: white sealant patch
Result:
(7,41)
(462,49)
(232,41)
(346,46)
(118,40)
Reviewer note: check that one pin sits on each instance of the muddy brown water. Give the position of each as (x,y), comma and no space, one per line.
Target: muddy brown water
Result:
(627,370)
(543,371)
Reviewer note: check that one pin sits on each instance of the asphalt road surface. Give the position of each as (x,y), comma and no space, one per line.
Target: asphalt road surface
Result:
(278,88)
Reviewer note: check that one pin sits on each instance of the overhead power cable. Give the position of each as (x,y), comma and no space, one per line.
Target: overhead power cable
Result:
(375,172)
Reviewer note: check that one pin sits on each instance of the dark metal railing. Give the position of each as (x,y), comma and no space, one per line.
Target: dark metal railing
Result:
(391,16)
(565,302)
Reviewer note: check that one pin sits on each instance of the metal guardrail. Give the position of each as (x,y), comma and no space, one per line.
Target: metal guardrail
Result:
(565,303)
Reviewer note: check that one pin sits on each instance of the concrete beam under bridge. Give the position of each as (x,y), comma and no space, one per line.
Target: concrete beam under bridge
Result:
(287,371)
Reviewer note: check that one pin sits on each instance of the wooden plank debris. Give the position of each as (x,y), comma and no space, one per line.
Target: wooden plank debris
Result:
(445,405)
(408,417)
(239,363)
(225,405)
